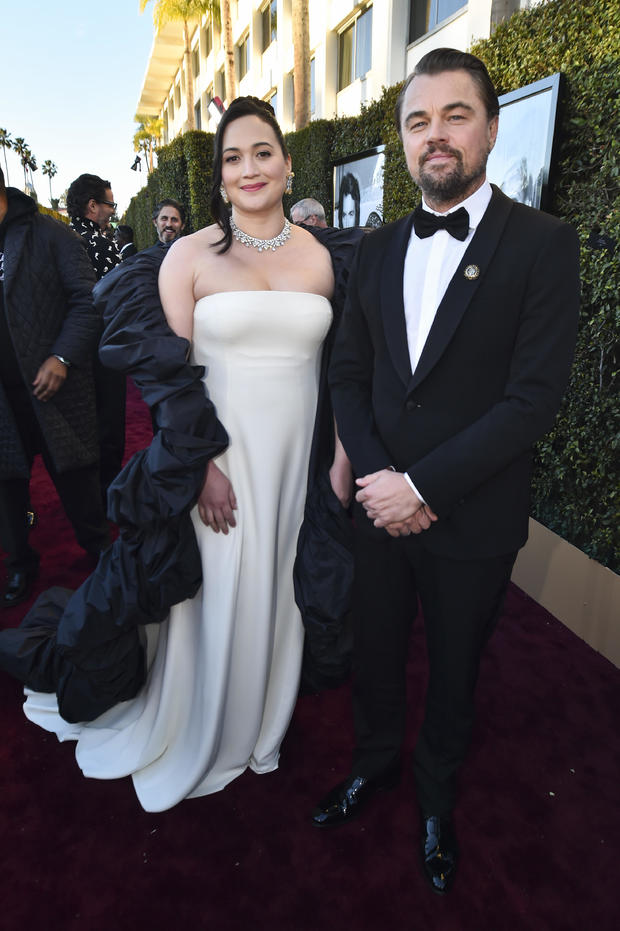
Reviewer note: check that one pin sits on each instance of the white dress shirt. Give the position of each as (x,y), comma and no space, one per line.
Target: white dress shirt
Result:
(430,265)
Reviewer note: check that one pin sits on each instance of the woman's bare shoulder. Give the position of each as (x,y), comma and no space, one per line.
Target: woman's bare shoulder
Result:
(197,246)
(304,240)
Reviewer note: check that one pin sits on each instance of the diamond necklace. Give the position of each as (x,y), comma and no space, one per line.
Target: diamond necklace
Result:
(261,244)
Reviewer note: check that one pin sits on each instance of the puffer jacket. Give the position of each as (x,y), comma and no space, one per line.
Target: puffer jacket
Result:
(49,309)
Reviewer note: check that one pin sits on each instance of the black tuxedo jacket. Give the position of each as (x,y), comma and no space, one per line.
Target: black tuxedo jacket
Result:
(127,251)
(489,381)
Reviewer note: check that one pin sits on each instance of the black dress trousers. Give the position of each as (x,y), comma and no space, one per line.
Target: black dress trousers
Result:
(461,602)
(78,489)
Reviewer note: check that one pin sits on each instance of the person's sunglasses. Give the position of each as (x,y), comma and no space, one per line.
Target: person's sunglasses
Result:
(110,203)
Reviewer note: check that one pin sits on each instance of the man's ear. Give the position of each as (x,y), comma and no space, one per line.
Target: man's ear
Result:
(493,127)
(155,223)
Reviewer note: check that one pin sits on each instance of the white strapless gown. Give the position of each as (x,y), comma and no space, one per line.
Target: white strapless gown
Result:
(224,668)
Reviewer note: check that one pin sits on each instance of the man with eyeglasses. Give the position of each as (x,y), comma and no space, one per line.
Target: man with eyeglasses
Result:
(309,212)
(90,204)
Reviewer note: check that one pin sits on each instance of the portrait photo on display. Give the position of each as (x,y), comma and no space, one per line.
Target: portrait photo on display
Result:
(358,189)
(521,160)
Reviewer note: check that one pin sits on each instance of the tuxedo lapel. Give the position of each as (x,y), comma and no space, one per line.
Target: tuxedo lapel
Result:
(392,304)
(464,284)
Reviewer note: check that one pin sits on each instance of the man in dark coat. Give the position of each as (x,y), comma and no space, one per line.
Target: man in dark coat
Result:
(123,237)
(48,333)
(451,362)
(90,204)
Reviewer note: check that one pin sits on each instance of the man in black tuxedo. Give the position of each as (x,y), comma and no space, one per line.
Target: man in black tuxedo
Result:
(123,237)
(451,361)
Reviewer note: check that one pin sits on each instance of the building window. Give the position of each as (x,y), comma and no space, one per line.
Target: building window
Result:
(355,49)
(196,62)
(243,58)
(171,106)
(219,85)
(424,15)
(269,18)
(198,116)
(207,40)
(273,100)
(177,96)
(312,86)
(165,127)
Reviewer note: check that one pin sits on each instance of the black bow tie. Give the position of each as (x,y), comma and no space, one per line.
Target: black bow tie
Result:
(426,224)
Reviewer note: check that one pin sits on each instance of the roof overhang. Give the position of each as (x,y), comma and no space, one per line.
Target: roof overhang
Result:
(164,60)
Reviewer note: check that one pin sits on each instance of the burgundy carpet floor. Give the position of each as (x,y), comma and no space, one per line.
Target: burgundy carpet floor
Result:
(538,820)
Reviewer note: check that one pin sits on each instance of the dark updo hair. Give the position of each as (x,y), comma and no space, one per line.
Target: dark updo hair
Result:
(241,106)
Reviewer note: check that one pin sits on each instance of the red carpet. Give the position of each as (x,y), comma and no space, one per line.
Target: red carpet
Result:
(539,818)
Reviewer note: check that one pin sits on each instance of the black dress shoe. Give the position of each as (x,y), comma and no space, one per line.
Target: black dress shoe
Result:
(439,851)
(348,798)
(18,587)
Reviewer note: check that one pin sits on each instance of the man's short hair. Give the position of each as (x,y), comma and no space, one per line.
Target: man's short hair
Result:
(169,202)
(309,207)
(2,184)
(83,189)
(451,59)
(125,231)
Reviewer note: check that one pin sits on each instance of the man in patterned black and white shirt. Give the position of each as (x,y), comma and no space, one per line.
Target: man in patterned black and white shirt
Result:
(90,204)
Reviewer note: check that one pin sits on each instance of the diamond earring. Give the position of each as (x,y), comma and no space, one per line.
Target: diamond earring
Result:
(289,182)
(223,194)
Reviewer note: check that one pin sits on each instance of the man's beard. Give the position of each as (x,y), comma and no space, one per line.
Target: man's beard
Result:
(450,186)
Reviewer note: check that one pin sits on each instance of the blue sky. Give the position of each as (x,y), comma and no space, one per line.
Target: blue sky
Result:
(70,76)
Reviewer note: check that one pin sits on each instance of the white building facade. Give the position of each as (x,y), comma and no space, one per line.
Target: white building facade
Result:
(356,49)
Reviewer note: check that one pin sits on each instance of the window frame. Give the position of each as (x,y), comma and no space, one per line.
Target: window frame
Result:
(243,56)
(431,12)
(352,29)
(207,39)
(270,8)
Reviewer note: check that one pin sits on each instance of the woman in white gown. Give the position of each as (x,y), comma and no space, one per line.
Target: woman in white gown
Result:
(252,293)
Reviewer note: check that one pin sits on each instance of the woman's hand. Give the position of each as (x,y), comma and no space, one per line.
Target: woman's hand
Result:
(341,475)
(217,500)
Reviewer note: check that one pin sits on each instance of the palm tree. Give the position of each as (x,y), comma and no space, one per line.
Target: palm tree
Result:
(230,81)
(301,62)
(49,168)
(23,152)
(30,164)
(147,136)
(185,11)
(5,143)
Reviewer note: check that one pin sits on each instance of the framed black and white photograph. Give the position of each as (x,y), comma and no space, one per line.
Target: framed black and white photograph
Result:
(358,189)
(521,160)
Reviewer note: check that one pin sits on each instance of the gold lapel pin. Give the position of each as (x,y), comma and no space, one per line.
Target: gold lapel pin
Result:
(471,272)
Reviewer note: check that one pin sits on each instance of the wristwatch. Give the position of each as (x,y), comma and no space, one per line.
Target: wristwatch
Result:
(61,359)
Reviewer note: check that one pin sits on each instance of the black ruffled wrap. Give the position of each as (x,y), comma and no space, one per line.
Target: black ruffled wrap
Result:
(87,646)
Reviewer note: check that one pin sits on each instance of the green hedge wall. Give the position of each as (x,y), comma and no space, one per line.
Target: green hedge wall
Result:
(184,173)
(53,213)
(576,488)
